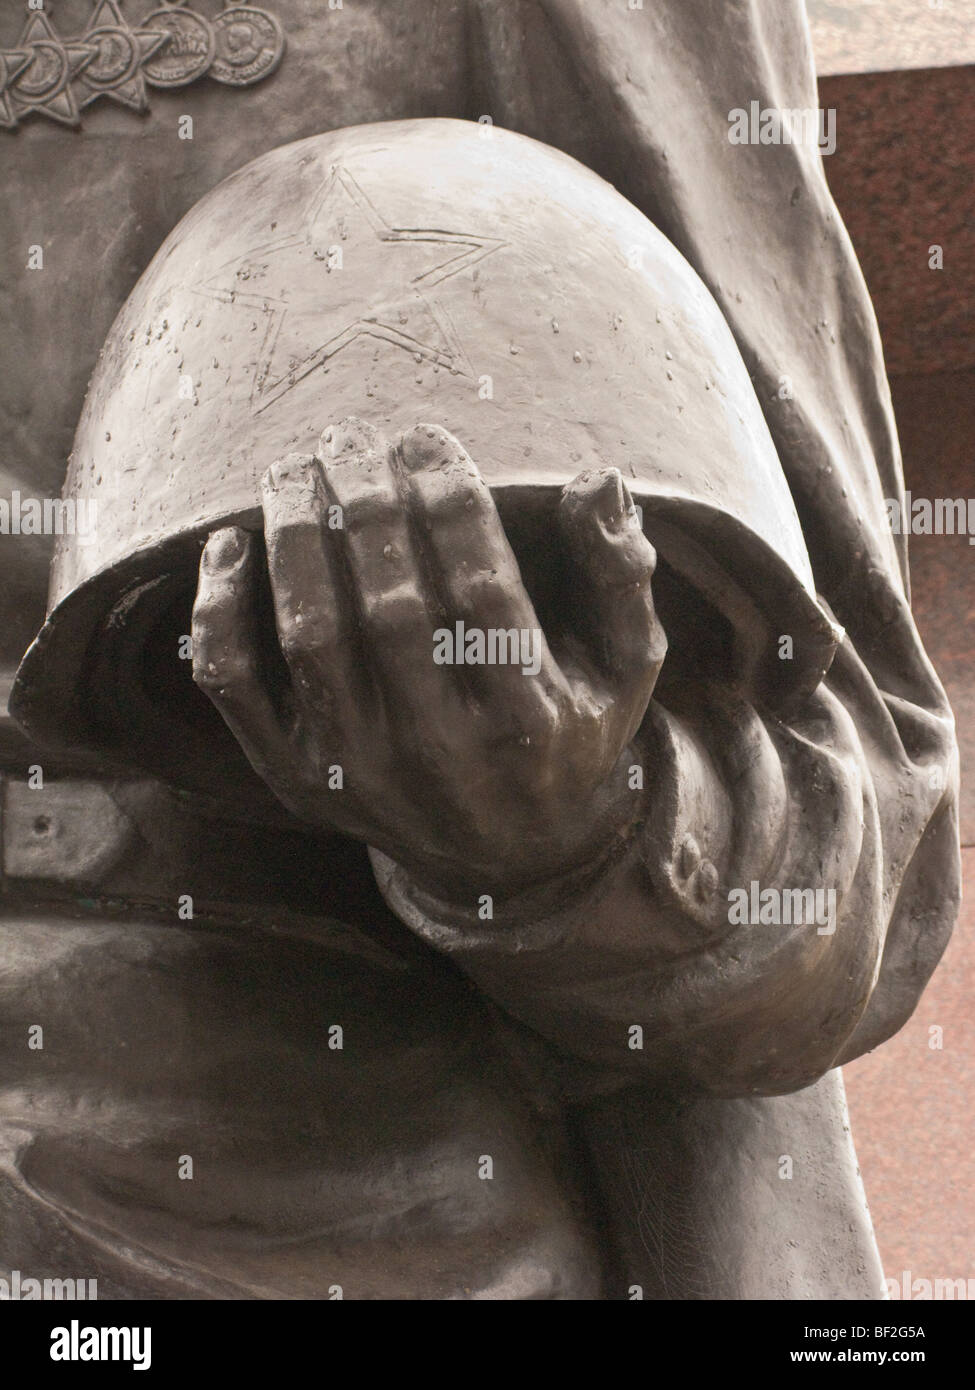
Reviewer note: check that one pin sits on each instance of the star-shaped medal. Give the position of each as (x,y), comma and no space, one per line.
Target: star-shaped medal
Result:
(44,85)
(318,304)
(116,69)
(12,63)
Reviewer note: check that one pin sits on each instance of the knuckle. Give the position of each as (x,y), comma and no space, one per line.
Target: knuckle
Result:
(371,506)
(396,614)
(629,572)
(540,724)
(453,495)
(436,754)
(649,654)
(484,594)
(307,632)
(228,673)
(531,729)
(291,531)
(210,605)
(639,553)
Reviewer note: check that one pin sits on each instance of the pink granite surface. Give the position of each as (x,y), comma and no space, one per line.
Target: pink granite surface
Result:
(911,1104)
(911,1114)
(903,175)
(882,35)
(936,421)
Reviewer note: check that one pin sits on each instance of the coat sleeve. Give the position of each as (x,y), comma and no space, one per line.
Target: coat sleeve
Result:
(777,910)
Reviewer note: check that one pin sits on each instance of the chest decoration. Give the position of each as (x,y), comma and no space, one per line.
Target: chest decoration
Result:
(47,74)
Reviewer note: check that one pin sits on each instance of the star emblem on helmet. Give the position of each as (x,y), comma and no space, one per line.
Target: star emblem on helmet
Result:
(116,69)
(44,84)
(316,287)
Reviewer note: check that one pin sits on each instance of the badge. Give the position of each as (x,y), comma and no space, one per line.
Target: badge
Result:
(44,85)
(249,45)
(172,46)
(120,52)
(188,51)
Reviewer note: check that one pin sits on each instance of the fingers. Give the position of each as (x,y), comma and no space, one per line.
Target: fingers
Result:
(225,660)
(479,582)
(614,563)
(314,624)
(396,609)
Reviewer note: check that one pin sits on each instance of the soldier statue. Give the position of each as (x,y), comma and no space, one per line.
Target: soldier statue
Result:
(477,778)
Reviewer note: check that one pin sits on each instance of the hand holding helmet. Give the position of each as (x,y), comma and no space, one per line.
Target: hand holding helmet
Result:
(490,771)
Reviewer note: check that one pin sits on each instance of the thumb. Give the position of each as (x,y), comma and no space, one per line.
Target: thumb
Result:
(612,563)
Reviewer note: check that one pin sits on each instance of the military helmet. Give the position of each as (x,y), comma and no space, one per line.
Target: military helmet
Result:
(426,270)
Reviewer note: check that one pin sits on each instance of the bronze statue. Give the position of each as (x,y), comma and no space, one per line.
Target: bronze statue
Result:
(483,776)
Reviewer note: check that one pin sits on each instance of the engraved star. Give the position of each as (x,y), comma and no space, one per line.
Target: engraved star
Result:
(304,289)
(44,85)
(116,70)
(12,63)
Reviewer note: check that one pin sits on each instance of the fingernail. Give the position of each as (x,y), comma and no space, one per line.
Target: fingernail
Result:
(611,500)
(223,549)
(278,473)
(348,436)
(423,446)
(292,468)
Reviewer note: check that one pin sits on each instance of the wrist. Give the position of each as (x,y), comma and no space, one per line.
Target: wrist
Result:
(543,884)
